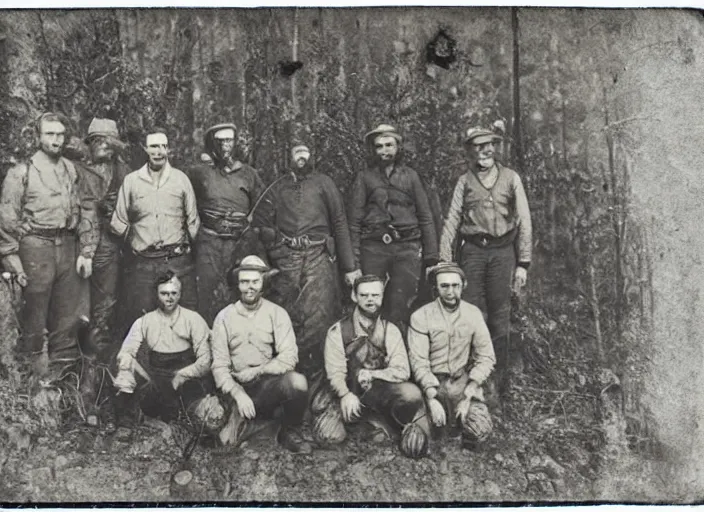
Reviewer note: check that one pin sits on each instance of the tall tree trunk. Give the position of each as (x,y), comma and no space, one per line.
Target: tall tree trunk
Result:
(594,302)
(517,143)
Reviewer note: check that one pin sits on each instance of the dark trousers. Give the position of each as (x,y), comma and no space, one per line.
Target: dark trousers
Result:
(399,403)
(103,287)
(139,287)
(402,261)
(307,287)
(289,392)
(489,274)
(215,257)
(52,295)
(158,397)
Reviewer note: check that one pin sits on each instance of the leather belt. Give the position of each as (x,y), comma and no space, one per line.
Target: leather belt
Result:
(391,234)
(301,242)
(164,251)
(52,233)
(487,241)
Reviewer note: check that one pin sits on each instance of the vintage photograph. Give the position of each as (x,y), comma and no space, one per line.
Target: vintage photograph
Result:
(351,255)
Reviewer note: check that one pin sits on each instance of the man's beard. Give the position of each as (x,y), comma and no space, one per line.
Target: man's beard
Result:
(369,314)
(381,163)
(303,171)
(250,302)
(450,306)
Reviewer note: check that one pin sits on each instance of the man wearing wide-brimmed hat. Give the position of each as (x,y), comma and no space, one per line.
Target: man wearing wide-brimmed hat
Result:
(391,222)
(489,221)
(451,356)
(226,189)
(254,356)
(307,238)
(102,177)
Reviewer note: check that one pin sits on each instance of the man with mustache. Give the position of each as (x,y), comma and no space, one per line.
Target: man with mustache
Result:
(254,356)
(156,213)
(178,365)
(47,242)
(391,223)
(306,235)
(451,356)
(225,188)
(366,364)
(489,214)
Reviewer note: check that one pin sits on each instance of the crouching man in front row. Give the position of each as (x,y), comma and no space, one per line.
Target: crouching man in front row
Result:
(177,365)
(367,366)
(254,354)
(452,356)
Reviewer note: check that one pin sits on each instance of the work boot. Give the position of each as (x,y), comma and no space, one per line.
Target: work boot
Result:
(290,439)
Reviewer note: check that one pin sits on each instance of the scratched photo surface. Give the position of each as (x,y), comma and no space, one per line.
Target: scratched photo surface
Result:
(195,203)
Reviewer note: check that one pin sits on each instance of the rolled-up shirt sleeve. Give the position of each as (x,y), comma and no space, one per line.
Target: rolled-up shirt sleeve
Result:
(130,347)
(200,337)
(11,229)
(419,351)
(191,210)
(452,221)
(524,238)
(482,358)
(222,363)
(398,369)
(284,345)
(336,361)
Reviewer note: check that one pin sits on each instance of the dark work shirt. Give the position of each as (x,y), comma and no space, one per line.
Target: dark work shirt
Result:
(313,206)
(399,200)
(225,193)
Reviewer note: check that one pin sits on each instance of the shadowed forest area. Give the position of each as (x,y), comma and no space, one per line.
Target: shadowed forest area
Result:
(602,116)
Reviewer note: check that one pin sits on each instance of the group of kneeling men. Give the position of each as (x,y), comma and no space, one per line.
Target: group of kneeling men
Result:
(434,387)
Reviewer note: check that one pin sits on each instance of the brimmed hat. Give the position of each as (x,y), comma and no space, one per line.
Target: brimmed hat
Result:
(481,136)
(253,262)
(382,129)
(444,268)
(103,128)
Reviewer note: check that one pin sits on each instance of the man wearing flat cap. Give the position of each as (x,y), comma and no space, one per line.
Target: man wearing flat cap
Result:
(306,235)
(254,356)
(102,178)
(225,189)
(391,223)
(451,357)
(489,222)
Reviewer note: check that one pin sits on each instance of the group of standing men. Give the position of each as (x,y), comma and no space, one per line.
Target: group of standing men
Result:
(173,248)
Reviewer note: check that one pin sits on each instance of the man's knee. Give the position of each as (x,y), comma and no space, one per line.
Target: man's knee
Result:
(409,393)
(294,383)
(477,425)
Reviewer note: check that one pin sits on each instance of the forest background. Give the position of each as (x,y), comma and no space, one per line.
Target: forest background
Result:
(602,115)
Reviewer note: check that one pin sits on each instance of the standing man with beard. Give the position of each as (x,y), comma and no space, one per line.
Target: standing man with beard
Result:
(367,366)
(305,231)
(47,243)
(489,213)
(156,213)
(254,355)
(391,223)
(451,356)
(225,191)
(102,179)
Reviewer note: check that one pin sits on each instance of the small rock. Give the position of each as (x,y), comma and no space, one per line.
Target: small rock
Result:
(444,467)
(18,436)
(492,490)
(39,476)
(246,467)
(160,467)
(251,454)
(499,458)
(60,462)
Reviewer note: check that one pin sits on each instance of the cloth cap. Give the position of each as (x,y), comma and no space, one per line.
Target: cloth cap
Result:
(481,136)
(382,129)
(300,151)
(216,127)
(444,268)
(102,127)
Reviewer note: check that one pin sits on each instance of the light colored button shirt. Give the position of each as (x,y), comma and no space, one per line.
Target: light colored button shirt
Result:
(183,330)
(260,338)
(161,212)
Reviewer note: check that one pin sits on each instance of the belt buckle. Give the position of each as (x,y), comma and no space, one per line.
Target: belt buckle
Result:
(387,238)
(484,241)
(178,250)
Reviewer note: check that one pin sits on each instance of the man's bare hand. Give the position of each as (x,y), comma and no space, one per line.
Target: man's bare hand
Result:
(364,377)
(351,407)
(351,277)
(463,408)
(520,277)
(178,380)
(245,405)
(437,412)
(84,267)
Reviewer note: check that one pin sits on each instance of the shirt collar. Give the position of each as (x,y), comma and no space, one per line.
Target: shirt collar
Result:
(42,159)
(143,173)
(243,311)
